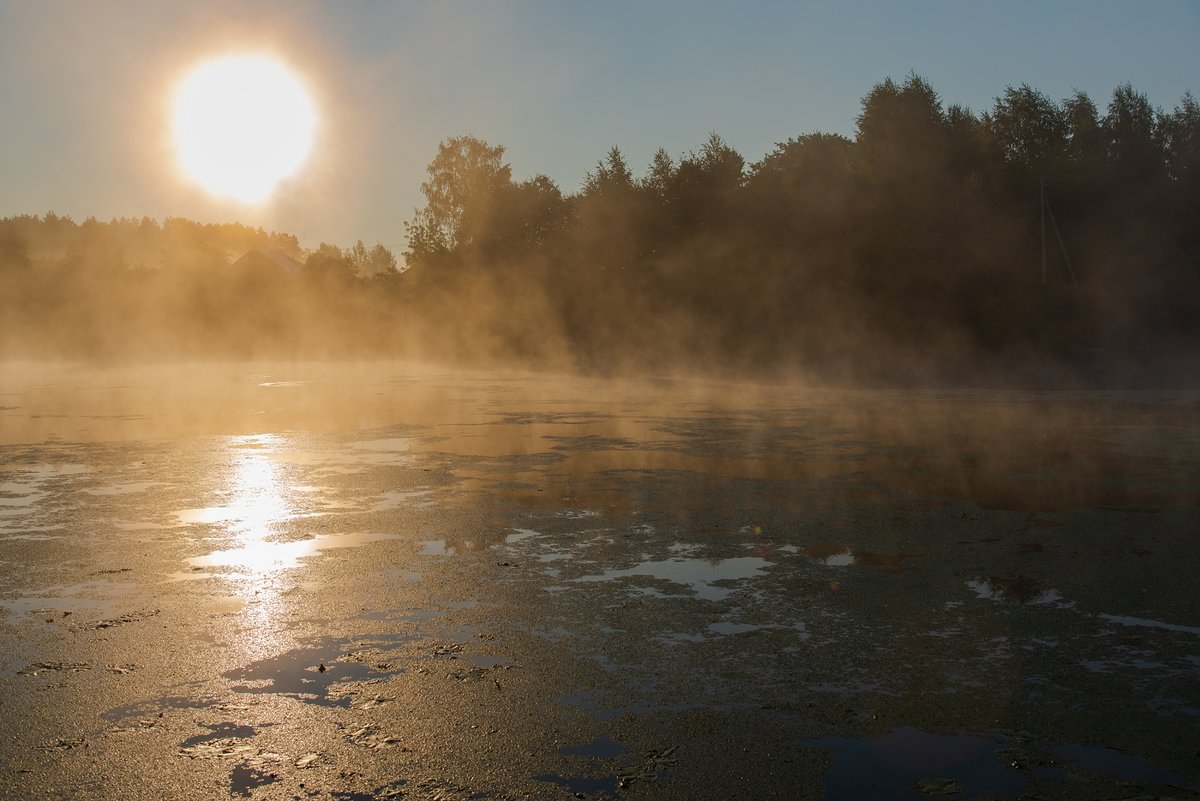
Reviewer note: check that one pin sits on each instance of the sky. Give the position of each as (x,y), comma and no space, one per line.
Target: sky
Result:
(85,87)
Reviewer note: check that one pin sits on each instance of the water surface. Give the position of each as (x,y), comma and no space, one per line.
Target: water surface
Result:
(501,585)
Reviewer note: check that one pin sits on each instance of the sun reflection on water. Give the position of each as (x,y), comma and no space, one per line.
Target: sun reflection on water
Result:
(258,504)
(252,524)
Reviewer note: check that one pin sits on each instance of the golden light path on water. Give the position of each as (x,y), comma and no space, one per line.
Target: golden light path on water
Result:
(257,506)
(259,503)
(263,554)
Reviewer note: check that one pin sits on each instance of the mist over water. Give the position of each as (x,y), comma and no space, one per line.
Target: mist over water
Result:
(1035,243)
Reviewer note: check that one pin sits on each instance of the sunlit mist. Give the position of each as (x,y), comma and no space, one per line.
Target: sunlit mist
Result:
(241,124)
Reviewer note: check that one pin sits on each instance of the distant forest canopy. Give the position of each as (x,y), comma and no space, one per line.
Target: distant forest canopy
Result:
(937,239)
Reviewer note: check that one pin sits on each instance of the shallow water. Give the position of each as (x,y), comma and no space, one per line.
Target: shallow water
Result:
(525,586)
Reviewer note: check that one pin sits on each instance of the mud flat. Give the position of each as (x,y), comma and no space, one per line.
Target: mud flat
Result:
(378,581)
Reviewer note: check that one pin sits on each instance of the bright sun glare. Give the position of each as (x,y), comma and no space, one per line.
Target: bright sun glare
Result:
(242,124)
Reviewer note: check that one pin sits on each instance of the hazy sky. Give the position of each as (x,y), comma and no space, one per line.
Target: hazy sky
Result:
(84,86)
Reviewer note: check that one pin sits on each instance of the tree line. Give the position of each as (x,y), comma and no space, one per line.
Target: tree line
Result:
(138,288)
(935,240)
(1035,230)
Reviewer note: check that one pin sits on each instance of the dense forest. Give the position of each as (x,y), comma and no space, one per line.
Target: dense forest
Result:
(1035,236)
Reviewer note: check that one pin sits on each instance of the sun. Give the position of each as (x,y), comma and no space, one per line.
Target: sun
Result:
(241,124)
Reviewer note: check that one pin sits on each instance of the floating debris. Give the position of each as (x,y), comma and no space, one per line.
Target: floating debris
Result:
(940,787)
(128,617)
(436,790)
(654,763)
(232,748)
(65,744)
(374,701)
(307,760)
(468,674)
(231,707)
(142,724)
(121,669)
(381,793)
(369,736)
(40,667)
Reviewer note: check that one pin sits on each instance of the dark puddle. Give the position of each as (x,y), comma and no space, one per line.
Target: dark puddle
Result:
(243,779)
(219,731)
(603,787)
(1127,767)
(141,709)
(603,748)
(970,767)
(588,702)
(298,672)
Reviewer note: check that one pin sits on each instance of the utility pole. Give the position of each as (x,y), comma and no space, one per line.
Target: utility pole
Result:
(1057,233)
(1061,245)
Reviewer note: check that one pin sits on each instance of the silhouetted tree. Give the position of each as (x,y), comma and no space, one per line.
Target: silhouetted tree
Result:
(329,264)
(900,133)
(1132,140)
(607,211)
(466,179)
(610,176)
(532,214)
(1085,139)
(802,189)
(706,185)
(657,184)
(1029,133)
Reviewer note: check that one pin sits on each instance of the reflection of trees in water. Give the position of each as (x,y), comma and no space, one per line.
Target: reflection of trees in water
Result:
(1018,589)
(477,541)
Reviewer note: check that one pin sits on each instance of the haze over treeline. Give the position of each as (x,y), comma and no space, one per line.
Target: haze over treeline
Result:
(915,247)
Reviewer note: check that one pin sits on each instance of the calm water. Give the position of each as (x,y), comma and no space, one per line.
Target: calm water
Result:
(361,581)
